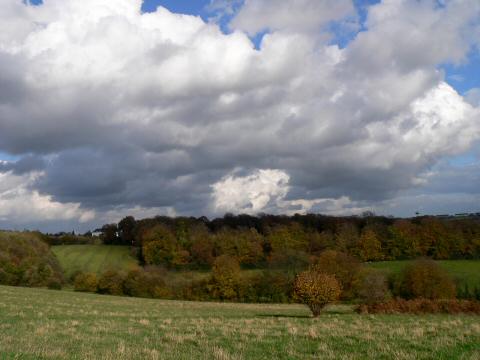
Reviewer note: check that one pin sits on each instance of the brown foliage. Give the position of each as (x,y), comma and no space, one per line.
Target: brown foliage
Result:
(369,246)
(316,290)
(372,287)
(422,306)
(425,279)
(86,282)
(225,282)
(148,283)
(111,283)
(345,268)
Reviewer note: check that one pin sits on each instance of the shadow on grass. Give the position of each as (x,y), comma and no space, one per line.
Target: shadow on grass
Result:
(286,316)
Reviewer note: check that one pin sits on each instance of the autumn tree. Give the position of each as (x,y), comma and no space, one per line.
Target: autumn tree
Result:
(202,246)
(111,283)
(243,244)
(346,237)
(369,246)
(344,267)
(126,228)
(316,290)
(86,282)
(161,248)
(289,246)
(372,286)
(109,234)
(225,280)
(425,279)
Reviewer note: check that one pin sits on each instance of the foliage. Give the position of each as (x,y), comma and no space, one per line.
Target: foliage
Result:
(225,281)
(316,289)
(161,248)
(372,287)
(345,268)
(111,283)
(291,241)
(147,283)
(86,282)
(422,306)
(369,247)
(26,260)
(425,279)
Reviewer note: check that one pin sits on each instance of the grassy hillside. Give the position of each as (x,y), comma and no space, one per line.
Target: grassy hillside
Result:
(463,271)
(93,258)
(43,324)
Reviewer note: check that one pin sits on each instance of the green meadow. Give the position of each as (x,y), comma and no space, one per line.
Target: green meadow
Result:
(93,258)
(462,271)
(47,324)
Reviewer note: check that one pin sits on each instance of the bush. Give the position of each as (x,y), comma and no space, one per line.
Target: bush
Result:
(425,279)
(86,282)
(225,281)
(344,267)
(372,287)
(111,283)
(422,306)
(26,260)
(54,284)
(268,287)
(316,290)
(159,246)
(145,283)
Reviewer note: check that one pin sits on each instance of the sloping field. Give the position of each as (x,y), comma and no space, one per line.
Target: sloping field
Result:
(43,324)
(93,258)
(463,271)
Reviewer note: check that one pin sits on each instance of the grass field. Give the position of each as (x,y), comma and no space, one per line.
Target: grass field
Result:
(43,324)
(462,271)
(93,258)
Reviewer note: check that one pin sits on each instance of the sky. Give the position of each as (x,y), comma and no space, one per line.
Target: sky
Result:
(111,108)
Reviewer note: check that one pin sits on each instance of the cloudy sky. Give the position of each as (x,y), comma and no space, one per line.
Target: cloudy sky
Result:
(201,107)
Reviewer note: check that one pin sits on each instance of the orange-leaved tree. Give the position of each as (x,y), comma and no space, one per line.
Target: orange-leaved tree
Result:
(316,289)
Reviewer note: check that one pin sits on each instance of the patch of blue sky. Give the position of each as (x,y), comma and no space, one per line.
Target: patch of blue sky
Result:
(189,7)
(8,157)
(464,76)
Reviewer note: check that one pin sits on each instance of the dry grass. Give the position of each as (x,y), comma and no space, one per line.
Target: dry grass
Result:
(41,324)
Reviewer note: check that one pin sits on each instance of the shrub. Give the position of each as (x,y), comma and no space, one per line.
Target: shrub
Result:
(372,287)
(225,281)
(54,284)
(422,306)
(316,290)
(159,246)
(145,283)
(344,267)
(269,287)
(26,260)
(425,279)
(86,282)
(111,283)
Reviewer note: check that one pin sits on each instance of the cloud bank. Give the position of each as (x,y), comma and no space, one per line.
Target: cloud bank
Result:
(111,110)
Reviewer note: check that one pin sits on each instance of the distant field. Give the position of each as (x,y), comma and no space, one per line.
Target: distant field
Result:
(43,324)
(463,271)
(93,258)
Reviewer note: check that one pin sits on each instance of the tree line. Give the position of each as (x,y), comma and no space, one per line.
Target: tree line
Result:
(269,241)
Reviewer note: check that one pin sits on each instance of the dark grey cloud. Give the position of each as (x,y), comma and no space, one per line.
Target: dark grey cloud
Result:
(112,111)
